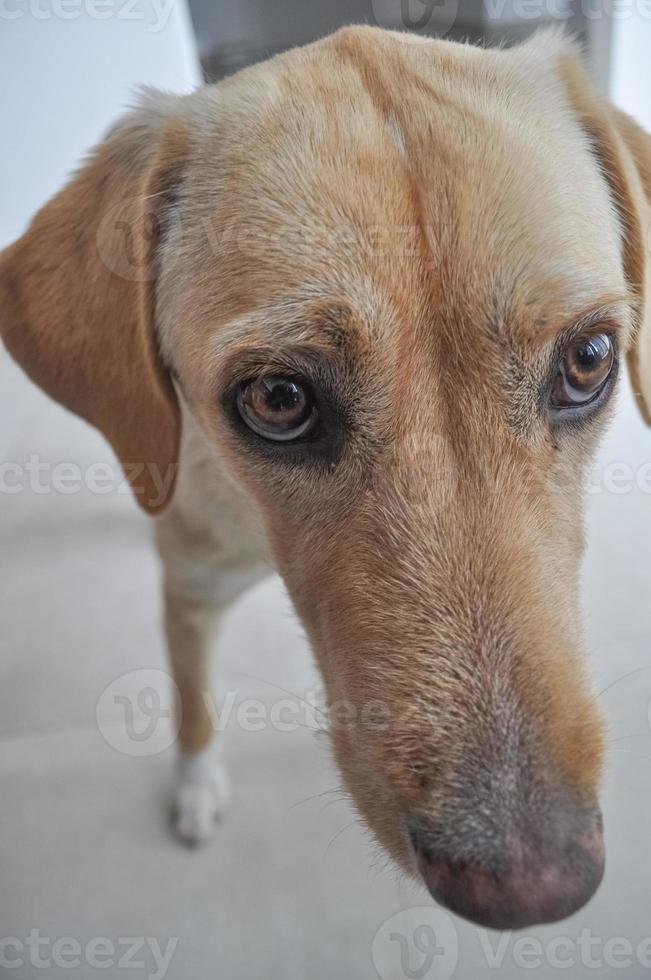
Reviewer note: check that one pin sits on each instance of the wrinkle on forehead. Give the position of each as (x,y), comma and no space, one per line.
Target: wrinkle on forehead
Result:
(314,317)
(472,176)
(425,183)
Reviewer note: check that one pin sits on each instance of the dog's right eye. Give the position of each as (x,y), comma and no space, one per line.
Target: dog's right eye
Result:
(281,409)
(584,371)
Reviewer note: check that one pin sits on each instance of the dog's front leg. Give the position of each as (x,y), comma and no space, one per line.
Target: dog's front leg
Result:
(199,585)
(201,790)
(210,555)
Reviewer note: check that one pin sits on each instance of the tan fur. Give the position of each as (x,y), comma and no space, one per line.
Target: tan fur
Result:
(77,301)
(624,150)
(422,219)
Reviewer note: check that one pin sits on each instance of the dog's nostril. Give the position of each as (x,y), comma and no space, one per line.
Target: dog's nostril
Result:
(528,889)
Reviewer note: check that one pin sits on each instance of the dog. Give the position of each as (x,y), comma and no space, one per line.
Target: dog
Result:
(359,313)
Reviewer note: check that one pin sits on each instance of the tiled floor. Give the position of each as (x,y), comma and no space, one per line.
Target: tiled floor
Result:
(290,888)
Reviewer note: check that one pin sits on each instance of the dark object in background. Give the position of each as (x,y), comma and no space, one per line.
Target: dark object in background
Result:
(232,35)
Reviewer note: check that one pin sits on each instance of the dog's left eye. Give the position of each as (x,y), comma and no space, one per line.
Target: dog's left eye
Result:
(277,408)
(584,371)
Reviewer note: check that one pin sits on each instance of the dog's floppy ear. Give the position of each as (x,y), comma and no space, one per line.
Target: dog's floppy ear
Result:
(638,145)
(77,298)
(624,152)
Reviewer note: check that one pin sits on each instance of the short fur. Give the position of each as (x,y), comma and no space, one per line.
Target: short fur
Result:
(413,223)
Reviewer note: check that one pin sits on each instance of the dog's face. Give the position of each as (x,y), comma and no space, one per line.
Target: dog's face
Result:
(394,284)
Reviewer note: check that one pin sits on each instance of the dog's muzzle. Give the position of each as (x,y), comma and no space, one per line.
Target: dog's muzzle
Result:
(543,878)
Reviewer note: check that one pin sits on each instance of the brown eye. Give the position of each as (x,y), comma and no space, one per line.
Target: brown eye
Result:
(584,370)
(277,408)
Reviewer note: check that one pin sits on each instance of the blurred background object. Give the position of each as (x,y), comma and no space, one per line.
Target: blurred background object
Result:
(232,35)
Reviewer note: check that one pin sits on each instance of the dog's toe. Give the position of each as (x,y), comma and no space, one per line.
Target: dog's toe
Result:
(196,811)
(201,797)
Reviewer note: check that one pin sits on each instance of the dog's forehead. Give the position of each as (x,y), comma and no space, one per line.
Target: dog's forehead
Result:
(407,175)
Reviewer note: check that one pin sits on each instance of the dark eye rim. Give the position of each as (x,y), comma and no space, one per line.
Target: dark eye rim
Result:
(322,446)
(303,431)
(561,415)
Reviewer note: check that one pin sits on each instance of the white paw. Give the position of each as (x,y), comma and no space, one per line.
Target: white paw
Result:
(201,796)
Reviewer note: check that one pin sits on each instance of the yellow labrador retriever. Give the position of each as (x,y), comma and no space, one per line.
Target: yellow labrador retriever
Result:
(367,303)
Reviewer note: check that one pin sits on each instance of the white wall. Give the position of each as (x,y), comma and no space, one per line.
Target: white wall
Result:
(66,73)
(630,79)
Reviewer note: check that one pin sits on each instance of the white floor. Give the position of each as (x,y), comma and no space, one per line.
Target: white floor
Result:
(291,887)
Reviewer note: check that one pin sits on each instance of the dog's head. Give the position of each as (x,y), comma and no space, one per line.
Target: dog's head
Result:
(395,281)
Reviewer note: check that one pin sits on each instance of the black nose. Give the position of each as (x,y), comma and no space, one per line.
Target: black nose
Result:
(530,884)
